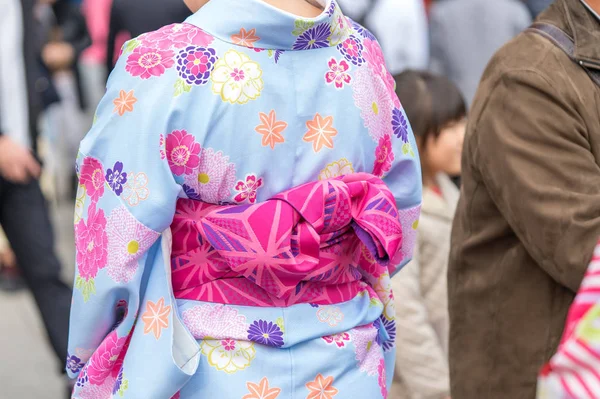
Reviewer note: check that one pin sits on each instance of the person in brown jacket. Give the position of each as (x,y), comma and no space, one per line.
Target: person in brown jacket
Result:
(529,216)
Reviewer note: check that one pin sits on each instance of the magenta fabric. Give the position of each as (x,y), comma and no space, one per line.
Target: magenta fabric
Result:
(97,16)
(317,243)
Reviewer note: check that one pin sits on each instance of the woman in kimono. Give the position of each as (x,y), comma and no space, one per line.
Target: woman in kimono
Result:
(247,189)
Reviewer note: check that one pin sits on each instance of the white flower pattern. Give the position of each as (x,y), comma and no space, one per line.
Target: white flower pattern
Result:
(136,189)
(236,78)
(331,315)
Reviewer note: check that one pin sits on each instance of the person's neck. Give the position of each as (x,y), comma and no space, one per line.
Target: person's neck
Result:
(594,4)
(302,8)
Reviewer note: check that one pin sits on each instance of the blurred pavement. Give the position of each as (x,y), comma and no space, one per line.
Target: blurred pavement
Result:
(28,369)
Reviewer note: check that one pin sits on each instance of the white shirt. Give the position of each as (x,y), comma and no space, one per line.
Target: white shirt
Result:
(400,26)
(13,84)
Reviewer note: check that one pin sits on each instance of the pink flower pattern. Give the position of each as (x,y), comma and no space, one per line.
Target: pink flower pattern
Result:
(382,379)
(92,178)
(91,243)
(228,344)
(176,35)
(121,359)
(217,322)
(183,152)
(247,190)
(213,178)
(368,352)
(384,156)
(147,62)
(104,358)
(376,61)
(161,144)
(409,220)
(128,239)
(102,391)
(338,339)
(375,104)
(338,73)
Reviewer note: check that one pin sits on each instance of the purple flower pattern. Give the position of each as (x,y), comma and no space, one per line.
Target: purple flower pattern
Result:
(315,37)
(278,54)
(118,382)
(266,333)
(191,193)
(74,364)
(362,31)
(331,9)
(83,378)
(195,64)
(400,125)
(377,325)
(116,178)
(390,328)
(352,50)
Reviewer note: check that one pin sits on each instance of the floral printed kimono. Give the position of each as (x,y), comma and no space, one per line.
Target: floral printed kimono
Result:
(574,371)
(248,187)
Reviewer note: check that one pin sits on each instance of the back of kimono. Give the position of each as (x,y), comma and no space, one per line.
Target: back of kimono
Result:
(241,102)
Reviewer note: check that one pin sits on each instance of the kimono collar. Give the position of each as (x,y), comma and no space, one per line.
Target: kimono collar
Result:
(254,23)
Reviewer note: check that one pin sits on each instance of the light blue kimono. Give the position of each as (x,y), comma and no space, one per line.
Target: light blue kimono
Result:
(239,103)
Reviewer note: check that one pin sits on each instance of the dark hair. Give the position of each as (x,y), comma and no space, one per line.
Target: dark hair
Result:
(431,102)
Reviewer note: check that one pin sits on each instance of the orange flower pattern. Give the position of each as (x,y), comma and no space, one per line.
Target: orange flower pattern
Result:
(156,317)
(320,132)
(261,390)
(245,38)
(321,388)
(271,129)
(124,103)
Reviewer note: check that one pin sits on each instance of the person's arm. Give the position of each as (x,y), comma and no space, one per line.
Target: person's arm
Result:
(532,149)
(17,163)
(65,52)
(421,362)
(125,205)
(397,159)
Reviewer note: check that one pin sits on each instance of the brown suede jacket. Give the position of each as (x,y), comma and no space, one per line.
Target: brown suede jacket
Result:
(529,216)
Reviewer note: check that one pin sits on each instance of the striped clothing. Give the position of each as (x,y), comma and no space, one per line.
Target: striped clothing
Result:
(574,372)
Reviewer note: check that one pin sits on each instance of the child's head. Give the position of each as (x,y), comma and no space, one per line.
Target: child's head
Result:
(437,113)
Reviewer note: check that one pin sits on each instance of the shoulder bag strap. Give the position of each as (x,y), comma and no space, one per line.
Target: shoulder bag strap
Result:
(563,41)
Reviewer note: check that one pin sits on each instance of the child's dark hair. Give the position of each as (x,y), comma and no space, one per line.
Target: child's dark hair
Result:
(431,102)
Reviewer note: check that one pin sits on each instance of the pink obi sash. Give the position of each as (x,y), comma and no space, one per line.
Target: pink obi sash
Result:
(321,243)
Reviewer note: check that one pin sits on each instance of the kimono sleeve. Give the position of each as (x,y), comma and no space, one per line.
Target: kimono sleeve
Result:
(404,180)
(126,199)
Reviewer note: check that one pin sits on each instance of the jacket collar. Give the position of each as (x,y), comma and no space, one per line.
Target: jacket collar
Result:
(578,22)
(254,23)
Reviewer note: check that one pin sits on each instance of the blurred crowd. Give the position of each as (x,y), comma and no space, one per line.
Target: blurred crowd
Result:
(56,55)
